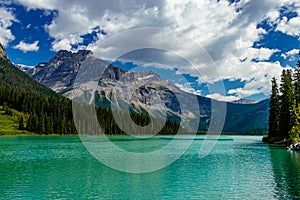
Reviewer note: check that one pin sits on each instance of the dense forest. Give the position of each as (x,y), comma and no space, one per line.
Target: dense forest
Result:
(45,112)
(284,118)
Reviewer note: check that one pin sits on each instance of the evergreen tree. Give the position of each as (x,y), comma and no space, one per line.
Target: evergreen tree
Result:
(274,111)
(35,124)
(41,124)
(287,104)
(294,133)
(7,109)
(21,123)
(29,124)
(296,77)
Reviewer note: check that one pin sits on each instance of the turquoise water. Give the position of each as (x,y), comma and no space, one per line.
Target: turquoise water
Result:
(61,168)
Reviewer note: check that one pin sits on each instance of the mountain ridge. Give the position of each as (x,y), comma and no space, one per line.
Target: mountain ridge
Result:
(3,53)
(11,76)
(60,73)
(40,109)
(244,101)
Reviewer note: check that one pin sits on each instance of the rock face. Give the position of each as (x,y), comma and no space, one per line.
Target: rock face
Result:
(144,90)
(60,72)
(3,53)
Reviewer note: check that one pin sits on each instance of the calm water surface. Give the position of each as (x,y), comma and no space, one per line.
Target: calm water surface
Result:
(61,168)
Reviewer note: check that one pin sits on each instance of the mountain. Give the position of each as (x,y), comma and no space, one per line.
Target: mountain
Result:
(26,106)
(248,118)
(60,72)
(11,76)
(143,91)
(42,111)
(244,101)
(23,68)
(3,53)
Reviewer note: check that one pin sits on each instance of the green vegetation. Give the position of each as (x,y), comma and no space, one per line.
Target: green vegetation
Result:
(42,111)
(274,110)
(13,77)
(9,122)
(284,118)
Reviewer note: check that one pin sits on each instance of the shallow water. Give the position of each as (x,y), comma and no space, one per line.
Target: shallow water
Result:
(61,168)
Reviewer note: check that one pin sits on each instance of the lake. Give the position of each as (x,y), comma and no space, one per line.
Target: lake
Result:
(62,168)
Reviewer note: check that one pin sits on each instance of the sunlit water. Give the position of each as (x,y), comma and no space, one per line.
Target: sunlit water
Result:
(61,168)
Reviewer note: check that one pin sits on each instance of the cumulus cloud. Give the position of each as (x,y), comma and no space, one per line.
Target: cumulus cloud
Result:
(291,27)
(242,92)
(293,52)
(63,44)
(226,31)
(291,55)
(39,4)
(220,97)
(187,88)
(22,46)
(6,19)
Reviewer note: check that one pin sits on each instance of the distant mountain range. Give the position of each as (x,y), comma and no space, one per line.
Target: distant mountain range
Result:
(244,101)
(59,74)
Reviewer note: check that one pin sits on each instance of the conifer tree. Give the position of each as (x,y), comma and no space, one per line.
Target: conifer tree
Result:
(294,133)
(21,123)
(296,84)
(287,104)
(274,111)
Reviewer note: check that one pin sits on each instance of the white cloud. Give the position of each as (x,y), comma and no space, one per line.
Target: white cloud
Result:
(291,27)
(41,4)
(27,46)
(63,44)
(261,53)
(6,20)
(283,55)
(220,97)
(241,92)
(188,88)
(290,55)
(293,52)
(227,35)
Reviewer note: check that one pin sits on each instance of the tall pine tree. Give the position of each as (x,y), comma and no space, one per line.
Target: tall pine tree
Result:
(274,112)
(287,104)
(296,77)
(294,133)
(21,123)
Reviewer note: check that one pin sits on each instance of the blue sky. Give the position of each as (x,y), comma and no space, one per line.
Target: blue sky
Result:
(249,41)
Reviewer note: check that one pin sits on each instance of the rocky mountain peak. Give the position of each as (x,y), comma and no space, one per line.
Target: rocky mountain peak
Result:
(61,70)
(3,53)
(144,91)
(64,55)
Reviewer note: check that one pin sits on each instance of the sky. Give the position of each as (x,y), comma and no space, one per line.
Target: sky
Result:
(239,43)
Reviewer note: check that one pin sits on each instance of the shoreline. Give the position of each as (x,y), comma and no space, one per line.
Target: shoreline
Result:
(57,135)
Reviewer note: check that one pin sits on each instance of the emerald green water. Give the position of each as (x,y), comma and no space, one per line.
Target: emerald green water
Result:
(61,168)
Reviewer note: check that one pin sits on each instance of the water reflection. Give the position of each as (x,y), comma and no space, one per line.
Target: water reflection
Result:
(286,168)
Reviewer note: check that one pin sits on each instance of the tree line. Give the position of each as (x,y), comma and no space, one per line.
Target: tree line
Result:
(47,115)
(284,118)
(45,112)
